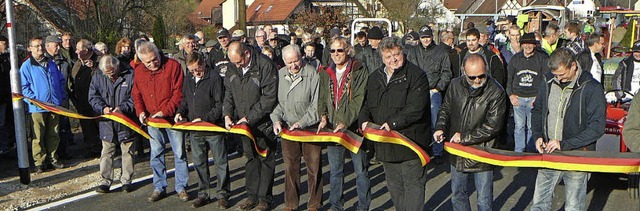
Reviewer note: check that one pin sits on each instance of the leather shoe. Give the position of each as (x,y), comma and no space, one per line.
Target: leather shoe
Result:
(39,170)
(262,206)
(248,204)
(155,196)
(183,196)
(223,203)
(102,189)
(57,165)
(199,202)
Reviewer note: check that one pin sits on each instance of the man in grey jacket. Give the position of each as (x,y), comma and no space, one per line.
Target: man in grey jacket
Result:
(298,109)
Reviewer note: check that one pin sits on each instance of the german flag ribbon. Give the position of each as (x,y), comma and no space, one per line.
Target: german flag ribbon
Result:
(117,117)
(16,97)
(240,129)
(346,138)
(374,133)
(122,119)
(587,161)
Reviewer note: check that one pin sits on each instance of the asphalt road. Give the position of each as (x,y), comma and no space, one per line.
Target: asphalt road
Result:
(513,190)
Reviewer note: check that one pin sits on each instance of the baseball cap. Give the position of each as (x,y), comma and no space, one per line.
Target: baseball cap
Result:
(223,33)
(238,33)
(426,31)
(636,46)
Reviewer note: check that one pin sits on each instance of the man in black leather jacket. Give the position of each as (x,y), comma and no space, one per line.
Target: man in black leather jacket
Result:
(472,113)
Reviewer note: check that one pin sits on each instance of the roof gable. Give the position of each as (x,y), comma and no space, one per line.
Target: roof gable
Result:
(267,11)
(205,8)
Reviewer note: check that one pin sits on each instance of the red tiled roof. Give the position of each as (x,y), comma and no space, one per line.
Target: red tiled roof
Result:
(453,4)
(204,8)
(271,11)
(197,21)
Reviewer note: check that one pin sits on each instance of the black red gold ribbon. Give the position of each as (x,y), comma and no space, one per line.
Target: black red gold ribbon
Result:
(588,161)
(240,129)
(117,117)
(345,138)
(374,133)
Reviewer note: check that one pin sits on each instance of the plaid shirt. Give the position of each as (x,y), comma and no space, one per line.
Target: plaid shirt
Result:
(576,46)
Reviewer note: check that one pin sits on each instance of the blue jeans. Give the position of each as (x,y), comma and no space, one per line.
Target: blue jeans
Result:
(436,101)
(575,189)
(159,138)
(335,155)
(460,188)
(522,118)
(201,143)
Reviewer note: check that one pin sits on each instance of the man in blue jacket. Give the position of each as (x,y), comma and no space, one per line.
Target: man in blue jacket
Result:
(43,81)
(568,114)
(110,92)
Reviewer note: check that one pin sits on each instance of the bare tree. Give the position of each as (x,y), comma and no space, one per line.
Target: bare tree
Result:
(400,12)
(326,17)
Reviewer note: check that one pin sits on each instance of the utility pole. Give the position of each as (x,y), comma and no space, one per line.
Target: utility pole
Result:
(18,106)
(242,16)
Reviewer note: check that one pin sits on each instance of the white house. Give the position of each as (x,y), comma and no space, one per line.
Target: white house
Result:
(582,8)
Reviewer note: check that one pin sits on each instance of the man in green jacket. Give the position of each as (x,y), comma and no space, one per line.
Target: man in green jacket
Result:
(342,90)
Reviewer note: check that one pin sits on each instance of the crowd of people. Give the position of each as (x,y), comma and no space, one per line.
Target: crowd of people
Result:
(424,85)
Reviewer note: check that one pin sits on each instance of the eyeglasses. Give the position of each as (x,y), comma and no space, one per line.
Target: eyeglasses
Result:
(473,78)
(339,50)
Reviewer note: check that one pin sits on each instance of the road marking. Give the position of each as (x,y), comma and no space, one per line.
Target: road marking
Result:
(93,193)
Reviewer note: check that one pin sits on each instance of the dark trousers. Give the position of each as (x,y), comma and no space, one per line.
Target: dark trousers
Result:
(406,183)
(259,170)
(65,135)
(200,145)
(291,153)
(90,133)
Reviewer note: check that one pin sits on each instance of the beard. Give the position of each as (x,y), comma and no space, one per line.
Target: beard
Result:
(476,86)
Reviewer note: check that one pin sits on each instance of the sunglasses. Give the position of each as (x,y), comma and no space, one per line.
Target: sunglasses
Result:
(339,50)
(473,78)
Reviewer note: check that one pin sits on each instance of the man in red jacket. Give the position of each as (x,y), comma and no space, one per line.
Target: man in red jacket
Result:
(157,92)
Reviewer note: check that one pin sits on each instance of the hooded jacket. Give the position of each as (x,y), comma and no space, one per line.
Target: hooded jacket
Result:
(585,115)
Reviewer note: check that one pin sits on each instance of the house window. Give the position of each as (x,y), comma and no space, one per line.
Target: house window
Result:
(258,8)
(268,9)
